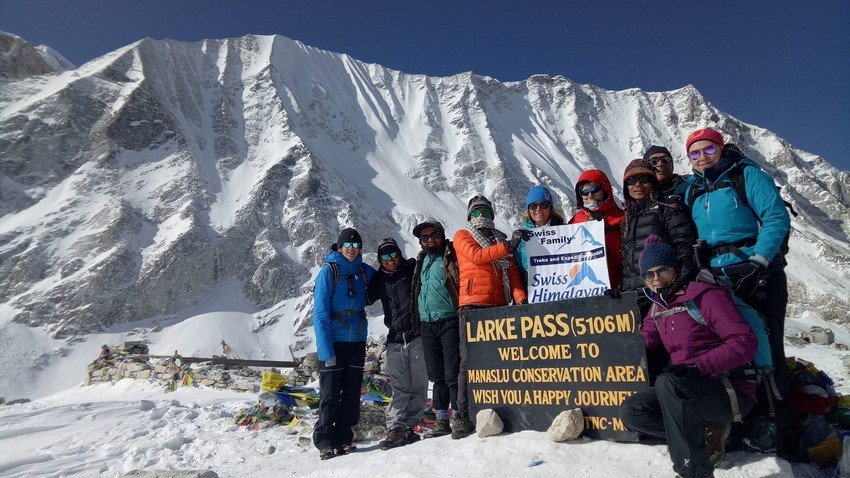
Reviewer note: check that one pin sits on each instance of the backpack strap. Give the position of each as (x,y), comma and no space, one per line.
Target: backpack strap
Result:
(733,397)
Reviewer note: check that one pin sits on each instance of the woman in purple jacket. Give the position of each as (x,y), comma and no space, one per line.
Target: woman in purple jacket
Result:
(693,401)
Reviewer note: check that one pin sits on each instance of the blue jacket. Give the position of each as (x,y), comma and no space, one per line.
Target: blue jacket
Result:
(328,299)
(721,218)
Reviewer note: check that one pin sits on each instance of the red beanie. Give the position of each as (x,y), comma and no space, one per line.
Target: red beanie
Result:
(706,134)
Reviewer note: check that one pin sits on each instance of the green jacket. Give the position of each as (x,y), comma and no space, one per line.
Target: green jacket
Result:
(434,304)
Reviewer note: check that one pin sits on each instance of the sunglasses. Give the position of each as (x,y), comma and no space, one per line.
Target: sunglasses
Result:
(590,190)
(660,159)
(708,150)
(425,238)
(538,205)
(484,211)
(351,245)
(652,274)
(391,255)
(642,178)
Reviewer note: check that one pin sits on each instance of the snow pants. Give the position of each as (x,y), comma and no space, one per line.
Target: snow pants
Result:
(409,379)
(440,342)
(339,385)
(679,410)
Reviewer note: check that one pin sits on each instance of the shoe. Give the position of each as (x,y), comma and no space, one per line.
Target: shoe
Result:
(462,427)
(715,439)
(411,437)
(763,436)
(346,449)
(326,453)
(396,437)
(442,428)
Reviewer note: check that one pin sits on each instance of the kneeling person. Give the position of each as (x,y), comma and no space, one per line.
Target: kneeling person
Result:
(693,401)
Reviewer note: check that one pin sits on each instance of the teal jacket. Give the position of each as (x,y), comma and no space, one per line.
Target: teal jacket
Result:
(435,290)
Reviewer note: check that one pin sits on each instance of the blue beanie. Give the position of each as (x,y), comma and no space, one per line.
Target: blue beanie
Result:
(656,253)
(538,194)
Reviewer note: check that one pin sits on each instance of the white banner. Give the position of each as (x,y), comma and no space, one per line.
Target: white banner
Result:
(567,262)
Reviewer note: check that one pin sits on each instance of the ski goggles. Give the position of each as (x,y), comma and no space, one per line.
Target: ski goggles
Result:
(482,211)
(425,238)
(708,150)
(538,205)
(653,273)
(640,178)
(351,245)
(391,255)
(660,159)
(591,190)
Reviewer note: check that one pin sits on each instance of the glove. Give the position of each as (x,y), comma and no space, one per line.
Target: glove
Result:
(614,293)
(748,281)
(683,371)
(331,362)
(519,235)
(523,302)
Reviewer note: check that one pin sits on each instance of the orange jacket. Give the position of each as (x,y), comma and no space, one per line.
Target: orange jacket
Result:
(480,283)
(609,212)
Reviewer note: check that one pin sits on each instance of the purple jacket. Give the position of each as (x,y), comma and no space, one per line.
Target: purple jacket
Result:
(726,342)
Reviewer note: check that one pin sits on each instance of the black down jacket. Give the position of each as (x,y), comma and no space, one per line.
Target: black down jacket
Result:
(395,291)
(672,222)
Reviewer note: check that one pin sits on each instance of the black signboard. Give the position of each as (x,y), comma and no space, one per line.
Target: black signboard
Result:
(531,362)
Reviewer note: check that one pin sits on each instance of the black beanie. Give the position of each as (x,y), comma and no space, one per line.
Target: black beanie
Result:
(348,235)
(477,202)
(655,150)
(388,245)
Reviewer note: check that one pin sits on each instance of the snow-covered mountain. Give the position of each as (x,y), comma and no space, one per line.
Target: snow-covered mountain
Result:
(137,186)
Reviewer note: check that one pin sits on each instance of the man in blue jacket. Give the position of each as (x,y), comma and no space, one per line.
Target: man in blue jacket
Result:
(339,321)
(743,220)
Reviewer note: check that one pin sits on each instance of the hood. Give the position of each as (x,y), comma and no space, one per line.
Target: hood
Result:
(336,257)
(597,176)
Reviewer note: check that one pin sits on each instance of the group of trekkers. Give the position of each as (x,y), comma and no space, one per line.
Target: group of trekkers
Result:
(697,248)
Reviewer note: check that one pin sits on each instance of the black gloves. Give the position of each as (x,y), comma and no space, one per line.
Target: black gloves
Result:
(519,235)
(614,293)
(683,371)
(748,281)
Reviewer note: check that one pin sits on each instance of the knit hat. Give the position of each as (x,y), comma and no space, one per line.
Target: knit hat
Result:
(538,194)
(706,134)
(637,167)
(429,223)
(655,150)
(388,245)
(478,202)
(348,235)
(656,253)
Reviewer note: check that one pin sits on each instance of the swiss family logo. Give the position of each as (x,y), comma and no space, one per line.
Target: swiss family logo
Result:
(581,272)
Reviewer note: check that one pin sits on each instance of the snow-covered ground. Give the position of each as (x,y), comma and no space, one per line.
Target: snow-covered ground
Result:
(108,430)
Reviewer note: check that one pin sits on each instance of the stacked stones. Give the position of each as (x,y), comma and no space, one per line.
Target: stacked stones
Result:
(376,357)
(233,377)
(110,370)
(307,371)
(372,424)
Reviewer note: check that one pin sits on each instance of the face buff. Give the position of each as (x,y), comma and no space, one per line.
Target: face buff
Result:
(591,204)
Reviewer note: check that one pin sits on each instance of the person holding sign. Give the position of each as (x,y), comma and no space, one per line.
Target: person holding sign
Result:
(339,321)
(435,303)
(595,202)
(489,277)
(539,212)
(694,401)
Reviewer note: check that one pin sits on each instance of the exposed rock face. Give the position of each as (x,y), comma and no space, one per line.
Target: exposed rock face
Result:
(133,186)
(19,59)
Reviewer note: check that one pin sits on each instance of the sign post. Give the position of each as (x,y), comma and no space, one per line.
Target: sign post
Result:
(531,362)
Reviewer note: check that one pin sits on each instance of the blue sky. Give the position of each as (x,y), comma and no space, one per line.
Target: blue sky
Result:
(781,65)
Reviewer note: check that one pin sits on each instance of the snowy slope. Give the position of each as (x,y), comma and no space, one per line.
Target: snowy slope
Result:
(190,186)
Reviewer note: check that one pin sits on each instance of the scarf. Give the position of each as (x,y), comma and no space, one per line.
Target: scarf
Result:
(474,227)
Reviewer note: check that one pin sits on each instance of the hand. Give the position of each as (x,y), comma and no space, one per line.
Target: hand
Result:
(331,362)
(614,293)
(523,302)
(519,235)
(683,370)
(748,282)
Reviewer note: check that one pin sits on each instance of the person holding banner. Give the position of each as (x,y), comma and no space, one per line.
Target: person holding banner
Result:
(539,212)
(489,277)
(694,401)
(595,201)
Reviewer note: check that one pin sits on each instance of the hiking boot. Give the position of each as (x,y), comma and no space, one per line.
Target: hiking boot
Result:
(441,428)
(763,436)
(462,427)
(326,453)
(396,437)
(715,439)
(411,437)
(346,449)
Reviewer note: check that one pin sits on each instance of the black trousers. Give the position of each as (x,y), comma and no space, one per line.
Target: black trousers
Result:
(679,410)
(440,342)
(339,385)
(657,359)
